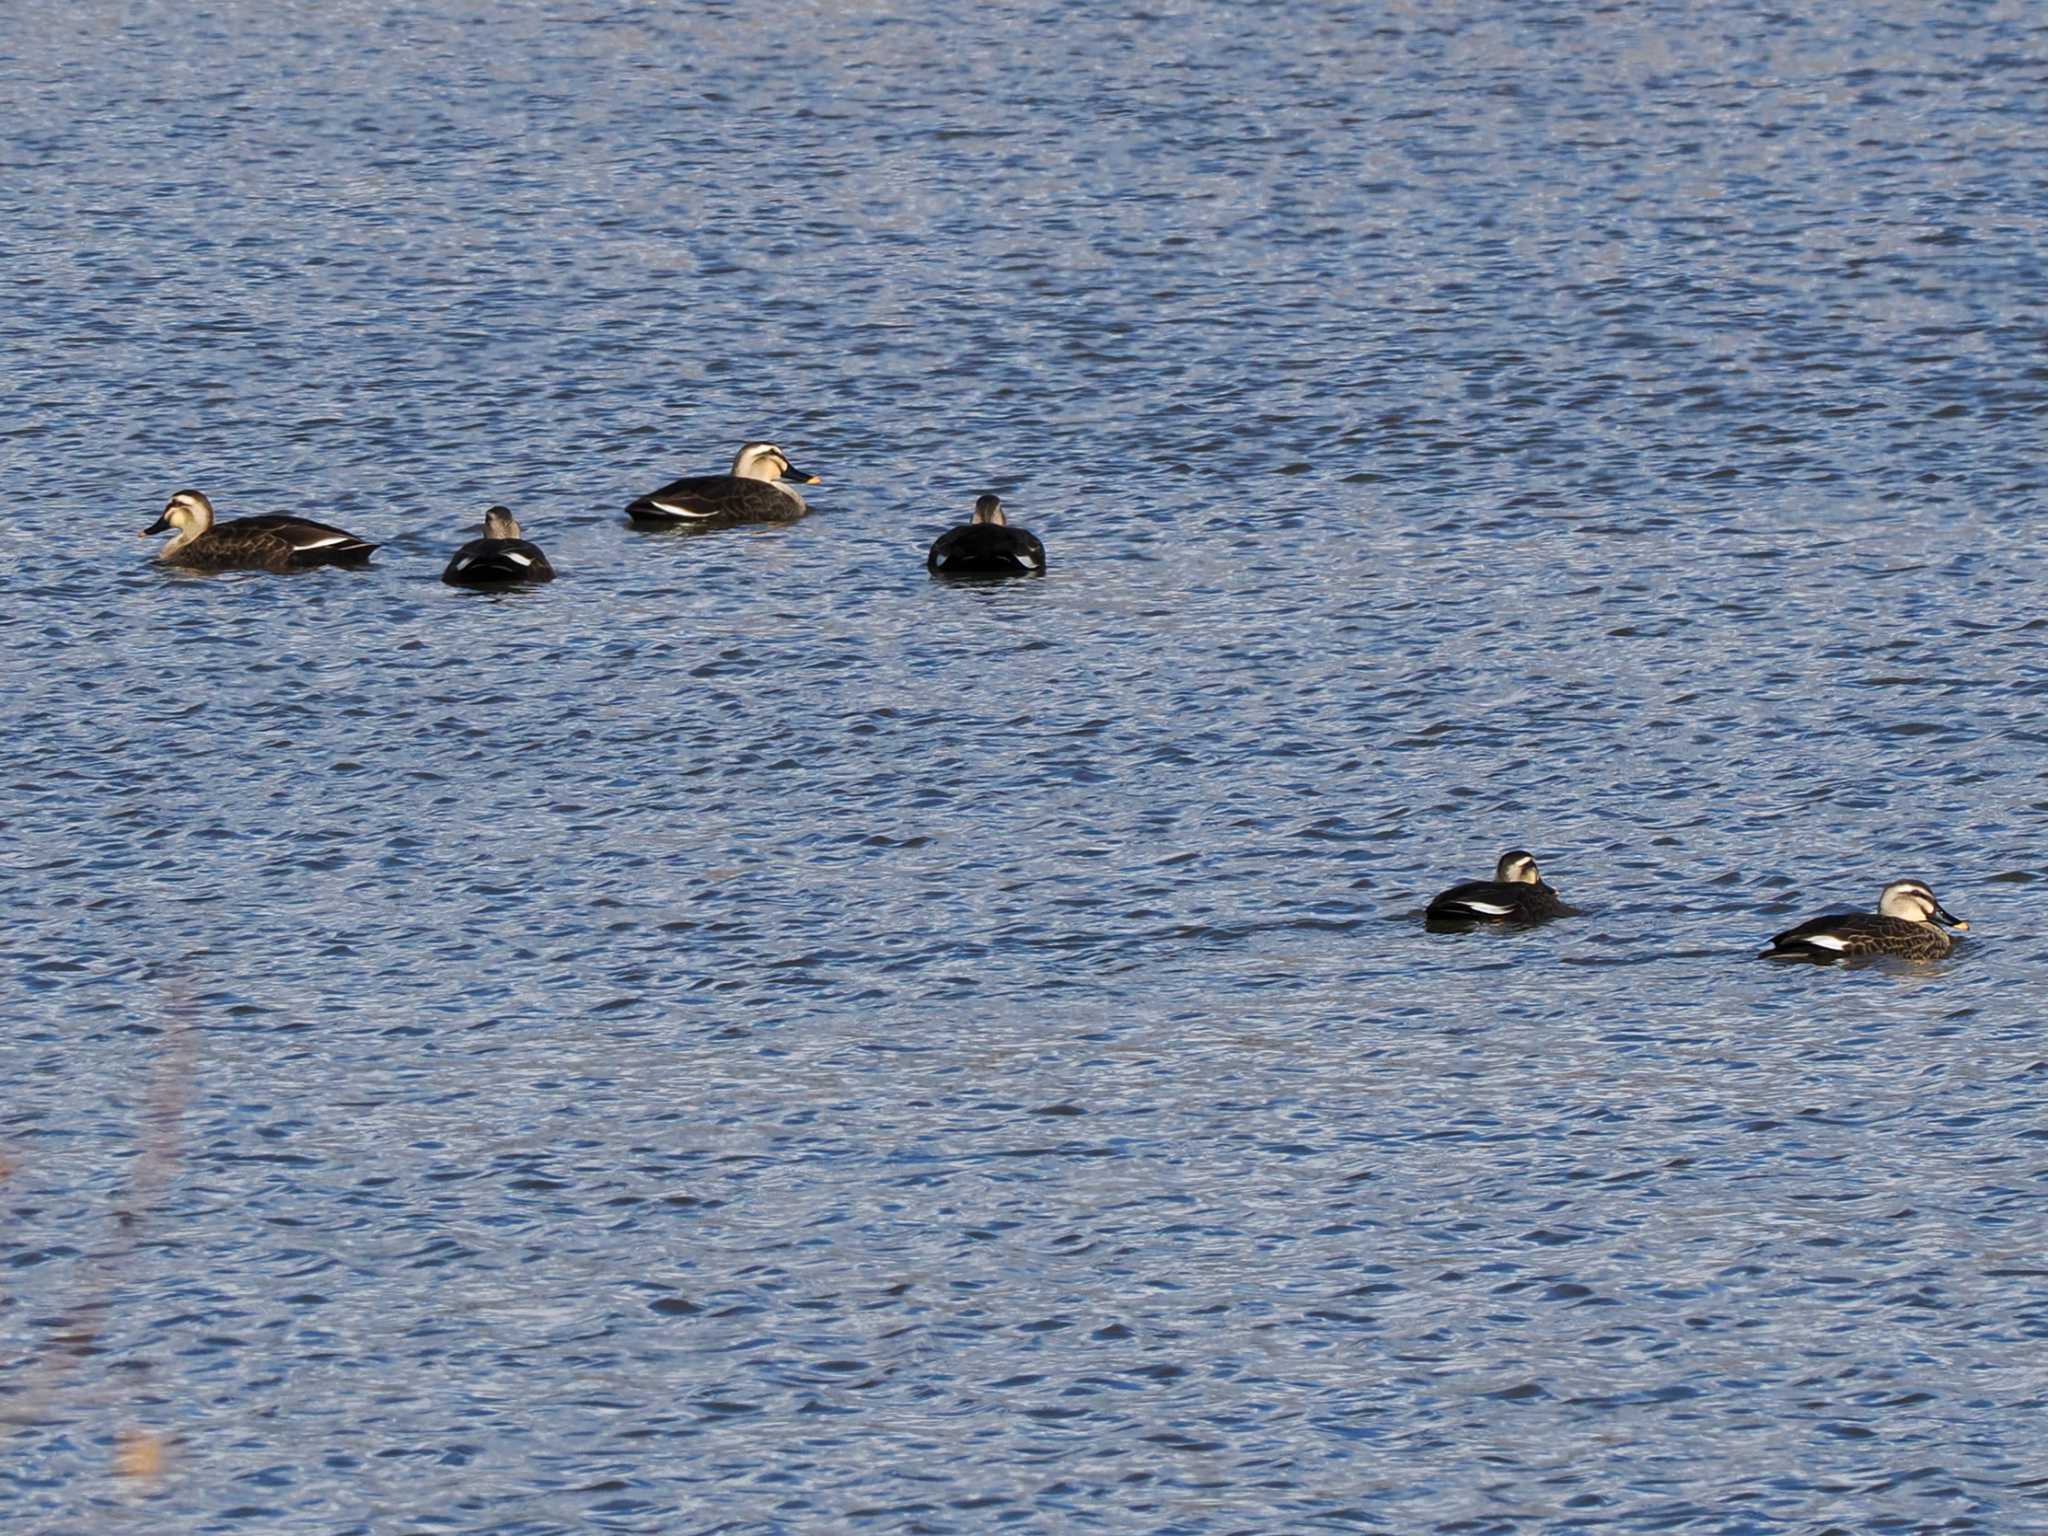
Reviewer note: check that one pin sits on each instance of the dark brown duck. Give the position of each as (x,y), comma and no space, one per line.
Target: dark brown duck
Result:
(1906,924)
(272,542)
(749,494)
(1515,894)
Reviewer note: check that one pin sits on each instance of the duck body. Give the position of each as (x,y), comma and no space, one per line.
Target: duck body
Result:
(1907,924)
(501,558)
(750,494)
(986,546)
(271,542)
(1515,894)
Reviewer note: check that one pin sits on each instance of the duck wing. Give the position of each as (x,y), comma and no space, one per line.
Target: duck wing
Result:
(946,547)
(496,562)
(1495,901)
(1845,935)
(705,500)
(1476,901)
(302,541)
(986,549)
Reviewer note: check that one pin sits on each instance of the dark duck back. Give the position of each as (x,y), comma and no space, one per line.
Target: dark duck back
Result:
(270,542)
(501,558)
(986,546)
(1907,924)
(1515,894)
(750,494)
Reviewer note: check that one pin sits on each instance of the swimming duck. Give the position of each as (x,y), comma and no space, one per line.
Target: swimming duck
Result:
(500,558)
(1905,924)
(271,542)
(986,546)
(748,495)
(1515,894)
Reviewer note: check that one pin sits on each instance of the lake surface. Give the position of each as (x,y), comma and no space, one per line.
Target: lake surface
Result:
(750,1038)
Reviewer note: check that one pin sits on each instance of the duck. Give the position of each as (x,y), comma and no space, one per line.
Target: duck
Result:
(274,541)
(1515,894)
(986,545)
(1907,923)
(501,558)
(750,494)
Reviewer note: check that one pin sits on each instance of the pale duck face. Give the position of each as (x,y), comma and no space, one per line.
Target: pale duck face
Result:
(765,461)
(1913,901)
(500,524)
(1517,868)
(989,509)
(188,514)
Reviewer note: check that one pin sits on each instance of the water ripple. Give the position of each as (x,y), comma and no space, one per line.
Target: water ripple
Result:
(752,1039)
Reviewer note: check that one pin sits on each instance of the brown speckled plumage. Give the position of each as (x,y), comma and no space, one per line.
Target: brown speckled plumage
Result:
(1906,924)
(748,495)
(270,542)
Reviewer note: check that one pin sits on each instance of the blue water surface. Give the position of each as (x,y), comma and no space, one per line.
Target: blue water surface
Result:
(750,1038)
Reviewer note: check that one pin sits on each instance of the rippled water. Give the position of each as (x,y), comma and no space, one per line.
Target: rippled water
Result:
(750,1038)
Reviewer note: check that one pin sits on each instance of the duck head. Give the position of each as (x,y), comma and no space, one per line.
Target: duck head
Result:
(765,461)
(188,514)
(1913,901)
(1517,868)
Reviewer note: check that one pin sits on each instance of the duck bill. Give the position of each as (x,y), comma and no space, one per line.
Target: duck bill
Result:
(801,476)
(159,526)
(1942,914)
